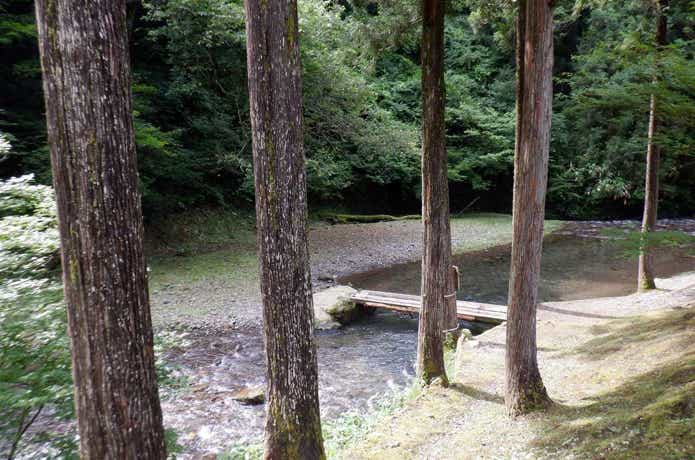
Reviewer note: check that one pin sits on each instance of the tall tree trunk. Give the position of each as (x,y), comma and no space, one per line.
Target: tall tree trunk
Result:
(86,77)
(651,187)
(293,426)
(437,283)
(534,58)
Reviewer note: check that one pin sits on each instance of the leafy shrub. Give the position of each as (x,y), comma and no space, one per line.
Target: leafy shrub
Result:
(35,376)
(34,348)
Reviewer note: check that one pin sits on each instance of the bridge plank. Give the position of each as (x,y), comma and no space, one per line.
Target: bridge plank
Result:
(471,311)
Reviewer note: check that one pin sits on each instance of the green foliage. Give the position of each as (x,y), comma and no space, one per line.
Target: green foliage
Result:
(171,441)
(21,103)
(633,243)
(480,107)
(35,375)
(34,348)
(350,141)
(202,97)
(361,103)
(606,109)
(170,178)
(169,378)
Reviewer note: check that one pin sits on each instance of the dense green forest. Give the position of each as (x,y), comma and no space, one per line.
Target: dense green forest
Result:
(361,82)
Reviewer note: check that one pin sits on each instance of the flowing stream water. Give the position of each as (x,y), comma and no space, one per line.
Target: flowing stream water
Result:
(373,357)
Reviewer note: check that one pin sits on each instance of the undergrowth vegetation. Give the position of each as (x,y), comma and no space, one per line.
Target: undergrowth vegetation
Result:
(35,374)
(35,370)
(361,104)
(344,431)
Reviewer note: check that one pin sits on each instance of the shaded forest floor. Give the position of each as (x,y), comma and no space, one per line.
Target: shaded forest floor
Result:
(621,371)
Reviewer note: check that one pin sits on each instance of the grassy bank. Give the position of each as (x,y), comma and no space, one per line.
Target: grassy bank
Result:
(341,433)
(623,389)
(473,232)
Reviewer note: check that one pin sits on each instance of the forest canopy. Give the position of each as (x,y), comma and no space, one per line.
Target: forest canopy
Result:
(361,103)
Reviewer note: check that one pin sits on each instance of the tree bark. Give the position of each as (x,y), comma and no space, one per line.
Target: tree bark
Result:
(534,54)
(86,78)
(435,314)
(293,426)
(645,279)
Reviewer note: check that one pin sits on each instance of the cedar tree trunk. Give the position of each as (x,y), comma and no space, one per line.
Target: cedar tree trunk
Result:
(293,425)
(534,55)
(86,79)
(437,285)
(651,187)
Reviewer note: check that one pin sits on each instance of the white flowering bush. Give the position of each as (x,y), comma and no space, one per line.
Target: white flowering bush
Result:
(35,376)
(5,146)
(35,373)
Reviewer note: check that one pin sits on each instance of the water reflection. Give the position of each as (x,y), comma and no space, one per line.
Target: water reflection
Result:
(572,268)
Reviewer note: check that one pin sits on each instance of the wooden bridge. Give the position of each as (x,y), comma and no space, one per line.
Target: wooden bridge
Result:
(470,311)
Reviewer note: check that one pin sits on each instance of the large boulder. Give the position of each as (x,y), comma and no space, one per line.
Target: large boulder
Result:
(250,395)
(334,307)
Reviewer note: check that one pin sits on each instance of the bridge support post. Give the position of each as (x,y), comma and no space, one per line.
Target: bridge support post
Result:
(451,322)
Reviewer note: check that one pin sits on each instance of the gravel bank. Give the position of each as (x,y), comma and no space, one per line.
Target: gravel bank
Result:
(220,288)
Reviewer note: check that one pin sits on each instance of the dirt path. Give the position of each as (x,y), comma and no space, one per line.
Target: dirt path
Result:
(624,387)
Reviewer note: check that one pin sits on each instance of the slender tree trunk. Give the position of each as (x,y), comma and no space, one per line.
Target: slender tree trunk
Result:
(86,77)
(651,187)
(534,54)
(293,426)
(436,259)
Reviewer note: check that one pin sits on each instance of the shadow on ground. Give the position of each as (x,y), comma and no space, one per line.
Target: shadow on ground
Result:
(611,339)
(650,416)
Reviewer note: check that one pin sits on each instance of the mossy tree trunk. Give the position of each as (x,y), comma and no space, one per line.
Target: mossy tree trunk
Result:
(293,427)
(436,259)
(534,95)
(651,186)
(86,80)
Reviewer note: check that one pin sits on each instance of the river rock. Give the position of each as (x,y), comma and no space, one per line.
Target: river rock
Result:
(333,307)
(249,395)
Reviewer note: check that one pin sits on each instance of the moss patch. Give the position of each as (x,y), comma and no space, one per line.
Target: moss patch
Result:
(201,231)
(651,416)
(473,232)
(234,266)
(334,218)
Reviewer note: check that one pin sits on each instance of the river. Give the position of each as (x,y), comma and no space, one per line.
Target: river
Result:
(373,358)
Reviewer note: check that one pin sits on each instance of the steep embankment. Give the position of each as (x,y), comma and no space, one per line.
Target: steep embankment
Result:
(621,371)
